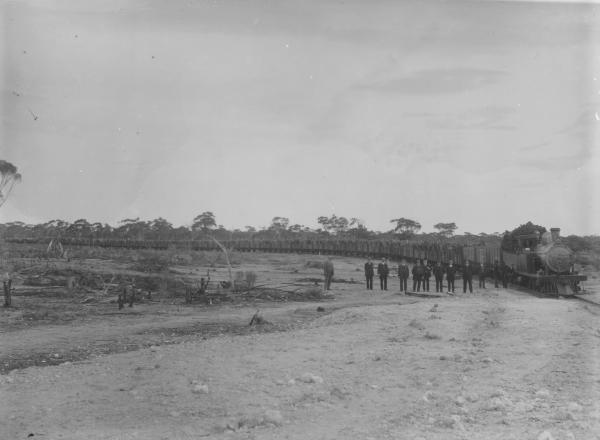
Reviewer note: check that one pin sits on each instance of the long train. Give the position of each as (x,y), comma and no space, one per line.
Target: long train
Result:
(393,250)
(541,263)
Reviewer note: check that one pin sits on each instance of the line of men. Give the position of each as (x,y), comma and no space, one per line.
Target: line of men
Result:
(422,271)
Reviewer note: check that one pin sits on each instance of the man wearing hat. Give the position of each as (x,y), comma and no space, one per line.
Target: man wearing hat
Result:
(426,275)
(417,273)
(438,273)
(450,275)
(403,273)
(467,277)
(328,272)
(369,272)
(383,272)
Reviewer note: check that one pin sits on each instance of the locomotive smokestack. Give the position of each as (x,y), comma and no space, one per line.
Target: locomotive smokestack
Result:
(555,233)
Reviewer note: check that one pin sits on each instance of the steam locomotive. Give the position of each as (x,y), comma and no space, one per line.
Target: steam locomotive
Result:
(542,262)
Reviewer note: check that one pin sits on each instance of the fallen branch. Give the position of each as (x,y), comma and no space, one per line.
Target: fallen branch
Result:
(423,295)
(257,319)
(226,259)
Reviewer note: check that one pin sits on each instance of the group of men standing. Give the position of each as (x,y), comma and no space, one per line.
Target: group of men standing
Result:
(383,272)
(422,272)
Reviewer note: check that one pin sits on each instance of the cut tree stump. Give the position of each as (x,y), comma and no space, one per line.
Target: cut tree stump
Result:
(7,292)
(257,319)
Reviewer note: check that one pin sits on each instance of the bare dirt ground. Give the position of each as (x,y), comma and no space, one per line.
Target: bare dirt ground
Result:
(497,364)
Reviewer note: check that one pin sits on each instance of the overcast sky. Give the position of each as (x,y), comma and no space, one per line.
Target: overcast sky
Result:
(482,113)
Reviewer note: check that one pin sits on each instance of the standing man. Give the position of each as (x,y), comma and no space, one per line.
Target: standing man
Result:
(467,277)
(369,273)
(513,273)
(438,273)
(328,272)
(417,273)
(403,273)
(496,273)
(426,275)
(383,272)
(482,275)
(450,275)
(505,275)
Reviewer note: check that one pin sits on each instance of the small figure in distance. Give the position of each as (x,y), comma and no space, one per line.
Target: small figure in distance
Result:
(467,277)
(403,273)
(121,299)
(131,295)
(383,272)
(482,275)
(507,274)
(438,273)
(369,274)
(426,275)
(496,272)
(417,273)
(328,272)
(450,276)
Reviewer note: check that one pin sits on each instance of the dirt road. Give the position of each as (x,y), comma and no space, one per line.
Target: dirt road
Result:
(495,365)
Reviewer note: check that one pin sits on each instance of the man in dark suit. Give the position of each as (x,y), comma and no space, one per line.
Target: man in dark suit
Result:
(438,273)
(497,273)
(467,275)
(369,273)
(450,275)
(383,272)
(482,275)
(505,272)
(417,273)
(426,275)
(328,272)
(403,273)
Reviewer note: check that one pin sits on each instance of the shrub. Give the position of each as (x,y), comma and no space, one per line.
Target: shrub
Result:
(314,264)
(588,258)
(312,292)
(432,336)
(250,279)
(244,280)
(415,323)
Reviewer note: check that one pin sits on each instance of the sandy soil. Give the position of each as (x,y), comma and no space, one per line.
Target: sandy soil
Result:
(499,364)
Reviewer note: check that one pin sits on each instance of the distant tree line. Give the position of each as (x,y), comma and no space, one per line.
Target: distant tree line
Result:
(205,224)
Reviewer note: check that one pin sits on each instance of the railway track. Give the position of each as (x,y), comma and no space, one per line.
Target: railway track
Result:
(587,298)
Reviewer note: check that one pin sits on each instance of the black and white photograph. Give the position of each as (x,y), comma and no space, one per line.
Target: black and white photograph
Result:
(300,219)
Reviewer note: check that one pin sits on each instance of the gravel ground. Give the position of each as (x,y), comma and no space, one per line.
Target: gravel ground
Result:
(495,365)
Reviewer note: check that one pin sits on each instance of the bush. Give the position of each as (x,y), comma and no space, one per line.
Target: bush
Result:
(577,243)
(588,258)
(314,264)
(151,262)
(432,336)
(244,280)
(313,292)
(415,323)
(250,279)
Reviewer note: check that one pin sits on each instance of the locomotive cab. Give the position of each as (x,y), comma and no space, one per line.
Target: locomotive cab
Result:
(524,258)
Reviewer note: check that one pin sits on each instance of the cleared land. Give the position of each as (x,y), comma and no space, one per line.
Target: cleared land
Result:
(496,364)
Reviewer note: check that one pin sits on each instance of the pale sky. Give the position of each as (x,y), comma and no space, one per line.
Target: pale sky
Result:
(482,113)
